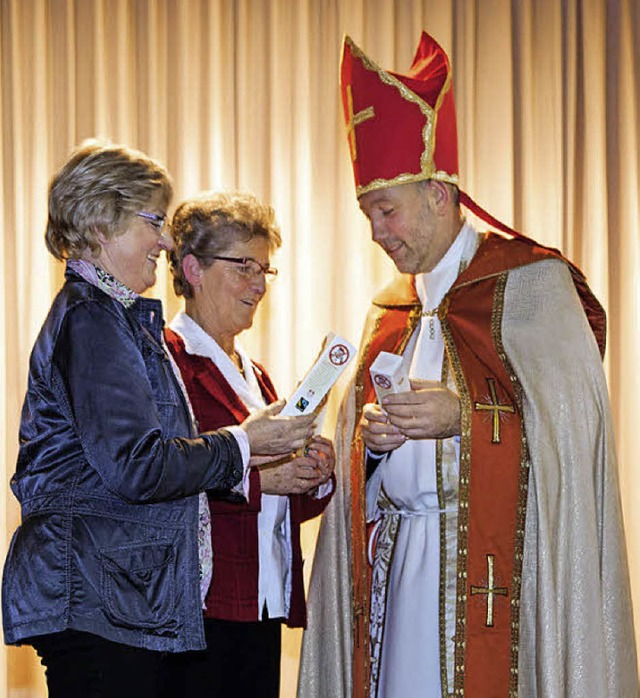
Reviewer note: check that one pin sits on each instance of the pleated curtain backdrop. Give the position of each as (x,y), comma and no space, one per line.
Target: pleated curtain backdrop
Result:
(243,94)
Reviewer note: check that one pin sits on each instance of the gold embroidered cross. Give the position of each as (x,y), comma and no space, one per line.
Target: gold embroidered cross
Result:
(490,591)
(355,120)
(495,407)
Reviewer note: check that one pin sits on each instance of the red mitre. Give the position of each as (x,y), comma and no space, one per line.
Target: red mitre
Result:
(401,128)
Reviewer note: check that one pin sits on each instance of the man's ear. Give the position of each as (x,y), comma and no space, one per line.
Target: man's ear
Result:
(439,194)
(192,270)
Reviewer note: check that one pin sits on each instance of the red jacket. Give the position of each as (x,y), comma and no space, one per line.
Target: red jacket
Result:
(233,594)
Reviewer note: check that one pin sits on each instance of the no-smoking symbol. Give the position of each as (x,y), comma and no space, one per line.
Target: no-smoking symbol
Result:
(339,355)
(382,381)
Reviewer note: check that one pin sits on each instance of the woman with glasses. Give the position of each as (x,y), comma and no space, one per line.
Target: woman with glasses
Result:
(222,244)
(109,568)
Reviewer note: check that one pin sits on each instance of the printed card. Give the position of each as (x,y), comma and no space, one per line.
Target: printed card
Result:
(333,360)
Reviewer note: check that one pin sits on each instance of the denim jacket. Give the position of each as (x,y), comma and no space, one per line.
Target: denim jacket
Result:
(107,477)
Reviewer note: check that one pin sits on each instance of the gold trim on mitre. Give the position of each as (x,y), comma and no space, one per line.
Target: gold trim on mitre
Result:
(428,132)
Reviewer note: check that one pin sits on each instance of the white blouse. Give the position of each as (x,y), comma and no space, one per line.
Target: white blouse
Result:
(274,526)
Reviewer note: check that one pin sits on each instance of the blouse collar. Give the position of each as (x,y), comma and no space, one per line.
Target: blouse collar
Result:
(197,342)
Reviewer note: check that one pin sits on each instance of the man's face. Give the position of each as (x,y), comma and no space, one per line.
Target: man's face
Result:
(405,226)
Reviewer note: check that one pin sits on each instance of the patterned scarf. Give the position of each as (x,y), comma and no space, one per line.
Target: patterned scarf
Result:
(104,281)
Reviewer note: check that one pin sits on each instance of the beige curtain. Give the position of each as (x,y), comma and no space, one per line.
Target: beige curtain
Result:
(242,94)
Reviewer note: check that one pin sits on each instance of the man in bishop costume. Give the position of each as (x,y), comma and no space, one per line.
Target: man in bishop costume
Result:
(475,546)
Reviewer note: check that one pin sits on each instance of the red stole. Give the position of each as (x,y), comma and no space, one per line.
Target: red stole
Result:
(493,462)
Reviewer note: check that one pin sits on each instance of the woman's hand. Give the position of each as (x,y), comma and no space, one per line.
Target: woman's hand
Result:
(270,434)
(320,450)
(296,476)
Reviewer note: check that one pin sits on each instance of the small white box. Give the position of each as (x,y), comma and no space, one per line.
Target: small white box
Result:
(335,357)
(388,375)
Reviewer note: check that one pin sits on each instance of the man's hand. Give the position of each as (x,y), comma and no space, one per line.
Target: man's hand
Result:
(428,411)
(378,433)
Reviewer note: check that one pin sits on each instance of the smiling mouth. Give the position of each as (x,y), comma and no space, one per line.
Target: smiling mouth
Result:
(391,250)
(153,258)
(252,302)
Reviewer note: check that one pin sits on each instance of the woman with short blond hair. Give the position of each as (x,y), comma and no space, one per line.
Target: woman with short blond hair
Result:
(110,565)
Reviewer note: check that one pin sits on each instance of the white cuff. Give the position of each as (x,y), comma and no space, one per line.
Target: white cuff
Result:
(375,456)
(240,435)
(323,490)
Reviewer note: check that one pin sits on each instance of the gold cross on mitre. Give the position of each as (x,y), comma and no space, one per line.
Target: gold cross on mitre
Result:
(355,120)
(495,407)
(490,590)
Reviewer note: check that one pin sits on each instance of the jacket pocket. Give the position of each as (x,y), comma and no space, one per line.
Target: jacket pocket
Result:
(138,585)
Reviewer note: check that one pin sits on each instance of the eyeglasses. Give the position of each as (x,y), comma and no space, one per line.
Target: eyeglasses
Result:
(250,268)
(157,221)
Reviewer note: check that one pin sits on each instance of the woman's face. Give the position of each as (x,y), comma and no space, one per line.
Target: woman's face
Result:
(132,256)
(227,298)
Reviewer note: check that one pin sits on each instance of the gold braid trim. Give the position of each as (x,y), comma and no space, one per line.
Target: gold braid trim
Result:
(428,132)
(442,620)
(405,178)
(463,499)
(361,606)
(516,582)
